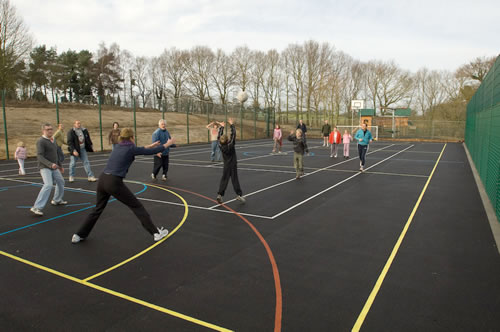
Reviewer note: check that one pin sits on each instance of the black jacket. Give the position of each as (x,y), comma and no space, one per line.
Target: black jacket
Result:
(74,144)
(228,150)
(299,145)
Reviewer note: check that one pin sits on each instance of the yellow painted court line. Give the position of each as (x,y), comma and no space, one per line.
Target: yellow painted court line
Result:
(117,294)
(154,245)
(380,280)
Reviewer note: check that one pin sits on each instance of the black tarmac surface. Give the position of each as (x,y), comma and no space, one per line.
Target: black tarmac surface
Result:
(300,255)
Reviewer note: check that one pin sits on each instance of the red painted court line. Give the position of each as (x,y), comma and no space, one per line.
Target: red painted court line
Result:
(276,275)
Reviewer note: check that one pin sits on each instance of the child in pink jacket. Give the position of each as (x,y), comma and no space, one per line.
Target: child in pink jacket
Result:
(278,139)
(346,139)
(20,156)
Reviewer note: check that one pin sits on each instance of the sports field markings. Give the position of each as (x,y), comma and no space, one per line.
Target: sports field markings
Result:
(171,233)
(293,179)
(335,185)
(366,308)
(114,293)
(58,216)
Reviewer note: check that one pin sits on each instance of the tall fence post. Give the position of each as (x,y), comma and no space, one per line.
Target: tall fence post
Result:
(255,122)
(187,121)
(208,121)
(5,125)
(100,121)
(57,109)
(241,121)
(163,111)
(135,125)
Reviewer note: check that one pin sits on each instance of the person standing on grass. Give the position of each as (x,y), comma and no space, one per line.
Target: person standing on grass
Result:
(114,135)
(214,134)
(346,139)
(303,128)
(50,169)
(230,170)
(299,148)
(334,141)
(326,129)
(160,160)
(20,156)
(79,143)
(59,138)
(111,184)
(277,138)
(364,137)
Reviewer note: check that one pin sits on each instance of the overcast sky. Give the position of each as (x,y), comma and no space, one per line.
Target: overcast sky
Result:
(432,33)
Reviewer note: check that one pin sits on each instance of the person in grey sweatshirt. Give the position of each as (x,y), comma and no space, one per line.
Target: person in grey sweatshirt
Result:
(48,156)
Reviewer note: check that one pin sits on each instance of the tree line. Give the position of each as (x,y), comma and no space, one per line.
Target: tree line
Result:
(305,78)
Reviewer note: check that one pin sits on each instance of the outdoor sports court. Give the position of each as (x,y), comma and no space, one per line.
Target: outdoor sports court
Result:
(404,246)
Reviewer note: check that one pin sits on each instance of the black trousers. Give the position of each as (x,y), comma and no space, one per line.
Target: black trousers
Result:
(160,162)
(113,185)
(230,171)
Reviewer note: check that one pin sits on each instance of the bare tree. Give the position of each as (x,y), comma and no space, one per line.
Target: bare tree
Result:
(295,58)
(394,86)
(430,89)
(242,58)
(257,76)
(141,78)
(224,76)
(477,68)
(15,45)
(176,70)
(200,68)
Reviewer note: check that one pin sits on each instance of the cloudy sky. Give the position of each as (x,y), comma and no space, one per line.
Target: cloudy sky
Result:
(437,34)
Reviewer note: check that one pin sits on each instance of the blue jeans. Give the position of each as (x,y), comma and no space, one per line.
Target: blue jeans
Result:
(362,149)
(49,176)
(215,155)
(86,164)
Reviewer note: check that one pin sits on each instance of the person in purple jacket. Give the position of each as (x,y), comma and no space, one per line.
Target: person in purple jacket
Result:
(111,183)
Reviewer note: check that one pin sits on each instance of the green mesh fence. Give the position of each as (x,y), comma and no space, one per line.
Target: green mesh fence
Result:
(482,133)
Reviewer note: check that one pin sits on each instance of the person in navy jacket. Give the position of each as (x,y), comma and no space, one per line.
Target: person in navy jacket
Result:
(111,183)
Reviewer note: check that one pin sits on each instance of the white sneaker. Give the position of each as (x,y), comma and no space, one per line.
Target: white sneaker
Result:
(335,156)
(331,156)
(361,169)
(162,232)
(36,211)
(92,179)
(71,179)
(58,203)
(153,177)
(164,177)
(76,238)
(324,144)
(241,199)
(219,199)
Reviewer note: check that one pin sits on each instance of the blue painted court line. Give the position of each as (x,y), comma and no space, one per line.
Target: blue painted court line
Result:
(20,185)
(66,214)
(78,204)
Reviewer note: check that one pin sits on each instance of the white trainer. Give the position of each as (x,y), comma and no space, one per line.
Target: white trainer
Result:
(92,179)
(36,211)
(71,179)
(162,232)
(76,238)
(241,199)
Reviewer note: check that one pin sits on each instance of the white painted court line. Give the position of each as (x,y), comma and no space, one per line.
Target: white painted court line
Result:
(203,208)
(293,179)
(335,185)
(147,199)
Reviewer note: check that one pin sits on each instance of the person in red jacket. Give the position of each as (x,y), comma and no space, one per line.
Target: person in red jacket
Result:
(334,140)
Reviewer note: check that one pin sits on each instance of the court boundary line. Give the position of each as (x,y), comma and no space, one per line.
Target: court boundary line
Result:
(114,293)
(378,284)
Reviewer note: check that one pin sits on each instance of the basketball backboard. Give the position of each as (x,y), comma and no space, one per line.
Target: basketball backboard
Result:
(357,104)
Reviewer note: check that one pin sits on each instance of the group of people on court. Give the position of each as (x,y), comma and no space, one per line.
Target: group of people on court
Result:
(50,158)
